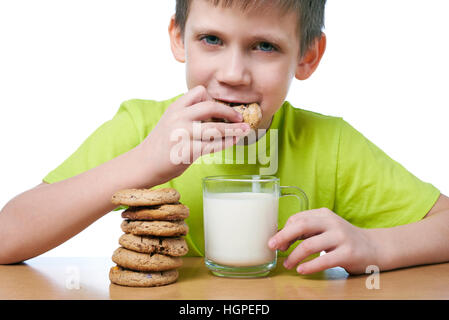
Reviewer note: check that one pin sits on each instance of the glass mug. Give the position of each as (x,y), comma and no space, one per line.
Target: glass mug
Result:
(240,216)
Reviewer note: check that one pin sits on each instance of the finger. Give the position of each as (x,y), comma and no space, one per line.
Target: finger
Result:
(285,246)
(207,110)
(214,130)
(193,96)
(326,261)
(218,145)
(297,227)
(308,247)
(200,143)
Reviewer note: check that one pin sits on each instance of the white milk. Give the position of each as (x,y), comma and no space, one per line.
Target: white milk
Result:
(237,227)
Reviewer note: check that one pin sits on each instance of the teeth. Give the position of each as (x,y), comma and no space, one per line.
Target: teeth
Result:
(251,112)
(233,104)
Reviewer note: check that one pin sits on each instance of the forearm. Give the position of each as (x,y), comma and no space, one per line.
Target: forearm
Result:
(44,217)
(422,242)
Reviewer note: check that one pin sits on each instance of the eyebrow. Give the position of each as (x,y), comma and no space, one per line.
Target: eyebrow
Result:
(282,41)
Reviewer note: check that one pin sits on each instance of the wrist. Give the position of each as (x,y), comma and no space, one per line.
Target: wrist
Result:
(144,167)
(382,248)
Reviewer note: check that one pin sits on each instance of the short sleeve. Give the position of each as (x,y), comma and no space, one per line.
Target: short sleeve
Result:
(110,140)
(373,190)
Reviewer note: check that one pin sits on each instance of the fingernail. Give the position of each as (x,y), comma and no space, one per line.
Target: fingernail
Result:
(245,127)
(300,269)
(272,243)
(286,265)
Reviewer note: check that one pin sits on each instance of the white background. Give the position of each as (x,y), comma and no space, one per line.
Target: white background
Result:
(65,67)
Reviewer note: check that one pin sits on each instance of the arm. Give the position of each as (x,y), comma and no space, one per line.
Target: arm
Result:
(422,242)
(49,214)
(353,248)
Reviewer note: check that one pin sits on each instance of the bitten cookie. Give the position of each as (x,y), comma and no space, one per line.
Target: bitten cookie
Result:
(176,247)
(130,278)
(160,212)
(155,228)
(145,197)
(143,261)
(252,114)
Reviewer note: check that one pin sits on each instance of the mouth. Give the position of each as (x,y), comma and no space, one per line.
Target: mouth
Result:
(251,111)
(236,103)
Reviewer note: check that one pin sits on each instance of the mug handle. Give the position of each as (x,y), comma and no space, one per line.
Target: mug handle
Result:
(298,193)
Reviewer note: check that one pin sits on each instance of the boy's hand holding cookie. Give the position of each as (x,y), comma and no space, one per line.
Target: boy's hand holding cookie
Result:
(345,245)
(181,135)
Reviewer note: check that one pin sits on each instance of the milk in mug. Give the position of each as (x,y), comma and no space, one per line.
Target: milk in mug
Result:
(237,227)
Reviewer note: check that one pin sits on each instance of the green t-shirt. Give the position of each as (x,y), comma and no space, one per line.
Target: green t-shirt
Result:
(336,166)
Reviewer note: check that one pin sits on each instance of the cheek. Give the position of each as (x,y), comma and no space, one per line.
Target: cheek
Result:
(198,71)
(274,83)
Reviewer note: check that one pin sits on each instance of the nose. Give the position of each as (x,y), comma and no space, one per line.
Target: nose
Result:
(233,69)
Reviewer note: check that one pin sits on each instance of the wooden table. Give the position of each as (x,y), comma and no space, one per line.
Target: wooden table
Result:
(87,278)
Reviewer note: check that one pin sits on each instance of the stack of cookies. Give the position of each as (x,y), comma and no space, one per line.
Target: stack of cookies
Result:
(151,248)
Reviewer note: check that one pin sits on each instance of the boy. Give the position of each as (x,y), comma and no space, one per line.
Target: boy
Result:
(366,209)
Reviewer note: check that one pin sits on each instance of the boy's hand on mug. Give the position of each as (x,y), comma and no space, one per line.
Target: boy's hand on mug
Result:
(345,245)
(180,136)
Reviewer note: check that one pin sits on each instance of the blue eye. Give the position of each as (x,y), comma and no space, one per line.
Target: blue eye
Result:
(211,40)
(266,46)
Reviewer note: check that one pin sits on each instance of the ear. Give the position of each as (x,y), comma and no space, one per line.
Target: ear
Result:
(309,62)
(176,41)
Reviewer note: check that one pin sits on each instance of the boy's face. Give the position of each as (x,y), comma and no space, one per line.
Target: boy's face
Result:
(240,57)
